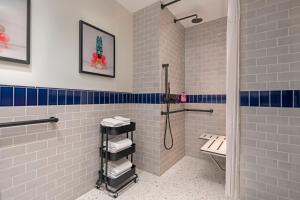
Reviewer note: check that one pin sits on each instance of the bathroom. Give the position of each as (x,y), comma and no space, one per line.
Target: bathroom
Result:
(231,70)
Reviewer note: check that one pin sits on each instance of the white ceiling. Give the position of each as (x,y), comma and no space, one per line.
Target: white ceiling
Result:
(206,9)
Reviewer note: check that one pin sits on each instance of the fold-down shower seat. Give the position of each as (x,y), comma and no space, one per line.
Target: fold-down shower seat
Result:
(215,146)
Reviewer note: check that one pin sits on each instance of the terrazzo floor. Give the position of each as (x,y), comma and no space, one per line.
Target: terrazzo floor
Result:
(188,179)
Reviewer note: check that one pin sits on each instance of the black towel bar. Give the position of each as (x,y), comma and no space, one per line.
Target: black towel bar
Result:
(22,123)
(190,110)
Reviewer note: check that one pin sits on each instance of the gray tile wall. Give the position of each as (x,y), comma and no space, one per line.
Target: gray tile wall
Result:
(199,123)
(146,78)
(205,58)
(157,40)
(52,161)
(147,137)
(146,68)
(172,49)
(205,73)
(270,59)
(171,46)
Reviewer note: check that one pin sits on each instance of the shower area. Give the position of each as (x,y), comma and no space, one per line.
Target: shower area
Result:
(195,58)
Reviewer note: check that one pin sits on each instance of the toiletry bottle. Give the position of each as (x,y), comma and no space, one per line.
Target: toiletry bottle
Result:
(183,98)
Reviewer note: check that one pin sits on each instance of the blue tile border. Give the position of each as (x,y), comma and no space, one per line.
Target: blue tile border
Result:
(254,98)
(19,96)
(274,98)
(41,96)
(31,96)
(297,99)
(6,96)
(209,98)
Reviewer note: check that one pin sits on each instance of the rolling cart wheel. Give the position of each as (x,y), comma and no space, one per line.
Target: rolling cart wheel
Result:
(98,186)
(136,179)
(116,195)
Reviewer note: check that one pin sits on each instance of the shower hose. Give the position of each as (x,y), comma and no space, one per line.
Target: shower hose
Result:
(168,123)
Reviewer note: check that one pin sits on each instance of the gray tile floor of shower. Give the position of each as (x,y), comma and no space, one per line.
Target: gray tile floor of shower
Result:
(189,179)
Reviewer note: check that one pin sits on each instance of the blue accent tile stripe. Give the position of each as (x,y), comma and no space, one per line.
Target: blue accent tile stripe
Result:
(77,97)
(61,97)
(254,98)
(19,96)
(101,101)
(70,97)
(287,98)
(297,99)
(42,96)
(96,97)
(264,99)
(244,98)
(6,96)
(210,98)
(274,98)
(90,97)
(52,98)
(32,96)
(84,97)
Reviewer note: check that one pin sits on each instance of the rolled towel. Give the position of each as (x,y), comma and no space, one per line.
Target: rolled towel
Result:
(118,144)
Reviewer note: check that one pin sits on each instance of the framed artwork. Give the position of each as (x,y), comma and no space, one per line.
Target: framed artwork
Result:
(96,51)
(15,31)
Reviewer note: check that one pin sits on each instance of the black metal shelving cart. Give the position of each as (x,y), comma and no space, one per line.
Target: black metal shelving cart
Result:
(113,186)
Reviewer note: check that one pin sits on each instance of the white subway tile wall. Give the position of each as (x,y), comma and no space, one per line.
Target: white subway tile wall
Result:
(270,60)
(52,161)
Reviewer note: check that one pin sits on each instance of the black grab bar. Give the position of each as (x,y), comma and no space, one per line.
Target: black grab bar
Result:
(23,123)
(190,110)
(200,110)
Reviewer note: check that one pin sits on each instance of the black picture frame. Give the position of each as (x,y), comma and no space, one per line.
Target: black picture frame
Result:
(81,70)
(28,32)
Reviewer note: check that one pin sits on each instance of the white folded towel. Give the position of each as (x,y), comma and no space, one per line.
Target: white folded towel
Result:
(117,144)
(123,119)
(117,168)
(110,175)
(113,122)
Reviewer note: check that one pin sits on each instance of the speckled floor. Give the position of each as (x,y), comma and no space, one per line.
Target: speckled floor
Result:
(189,179)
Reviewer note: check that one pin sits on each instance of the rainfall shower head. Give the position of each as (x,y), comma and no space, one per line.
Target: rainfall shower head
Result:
(196,19)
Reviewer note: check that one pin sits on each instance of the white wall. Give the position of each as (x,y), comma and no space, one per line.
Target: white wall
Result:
(55,46)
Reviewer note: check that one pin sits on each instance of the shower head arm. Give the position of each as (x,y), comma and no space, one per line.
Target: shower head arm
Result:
(170,3)
(183,18)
